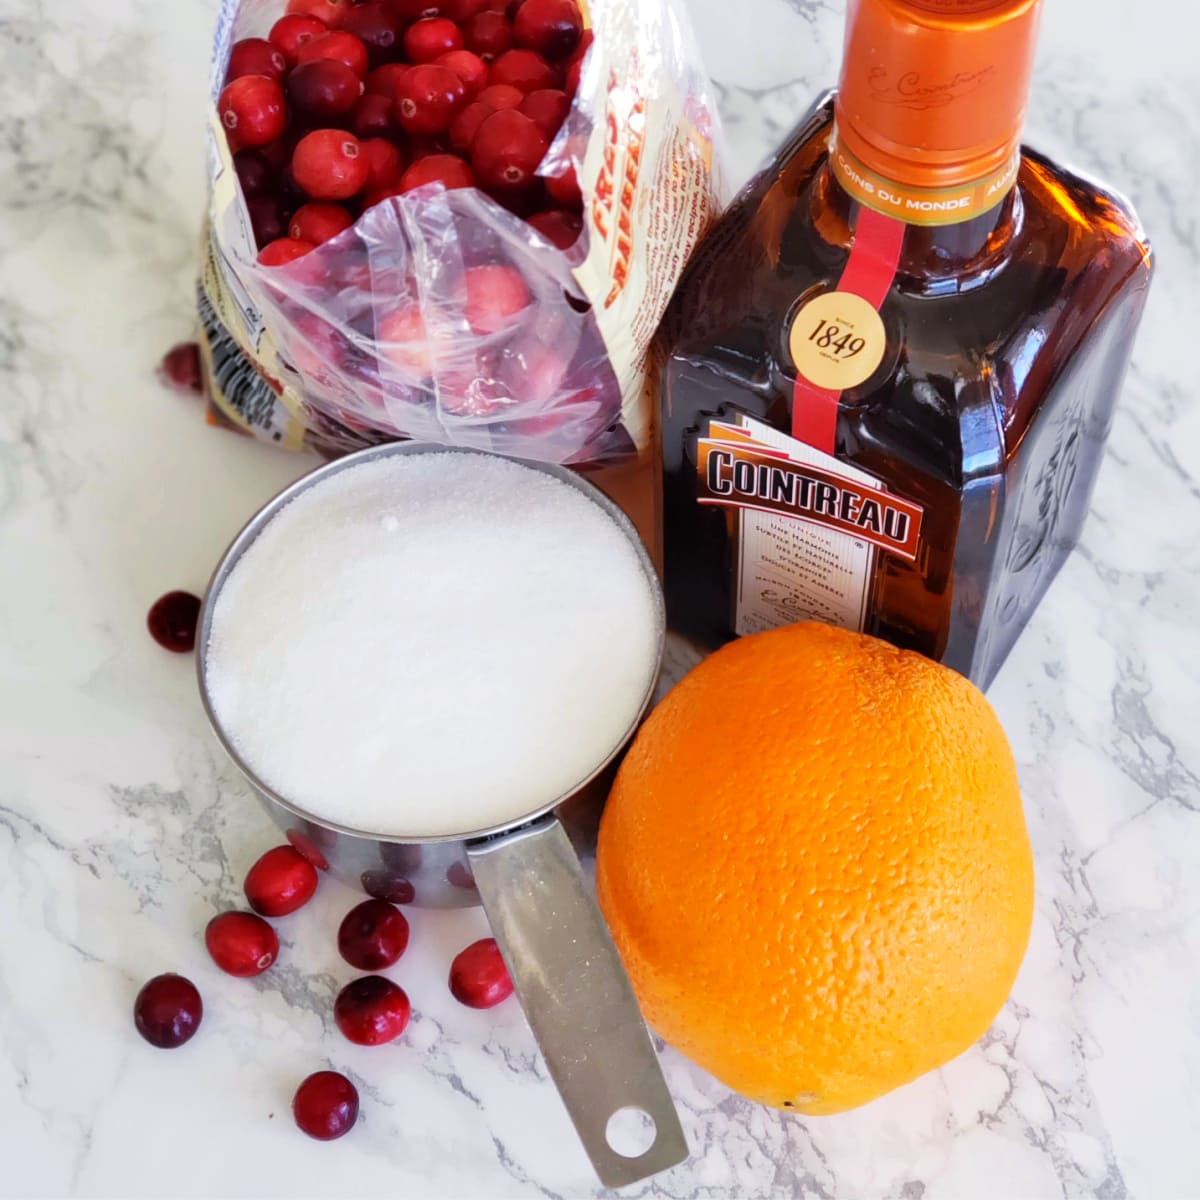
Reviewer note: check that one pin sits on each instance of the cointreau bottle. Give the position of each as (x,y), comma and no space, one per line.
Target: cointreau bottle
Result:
(891,369)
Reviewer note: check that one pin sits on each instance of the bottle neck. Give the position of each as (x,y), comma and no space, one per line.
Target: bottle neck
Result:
(947,246)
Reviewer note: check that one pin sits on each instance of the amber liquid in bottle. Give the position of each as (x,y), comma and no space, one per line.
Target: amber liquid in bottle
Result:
(1007,337)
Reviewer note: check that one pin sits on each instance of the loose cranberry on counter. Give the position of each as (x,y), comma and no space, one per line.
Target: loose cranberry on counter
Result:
(547,108)
(427,97)
(253,111)
(372,1010)
(172,621)
(500,95)
(507,149)
(282,881)
(522,69)
(447,169)
(339,46)
(373,935)
(291,32)
(282,251)
(325,89)
(326,1106)
(180,368)
(495,293)
(256,56)
(559,227)
(382,81)
(318,221)
(551,27)
(168,1011)
(332,12)
(478,976)
(459,875)
(489,34)
(470,68)
(463,127)
(241,943)
(374,117)
(306,846)
(377,27)
(430,38)
(329,164)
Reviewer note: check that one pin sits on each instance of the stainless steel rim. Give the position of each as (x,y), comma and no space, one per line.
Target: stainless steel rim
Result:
(250,531)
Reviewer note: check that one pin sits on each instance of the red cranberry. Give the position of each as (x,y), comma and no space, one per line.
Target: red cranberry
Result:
(501,95)
(374,117)
(412,10)
(404,342)
(255,56)
(172,621)
(427,98)
(489,34)
(551,27)
(461,11)
(522,69)
(267,218)
(254,173)
(283,250)
(478,976)
(241,943)
(318,221)
(168,1011)
(458,875)
(291,32)
(372,1010)
(558,227)
(507,149)
(252,111)
(324,88)
(547,108)
(382,81)
(564,188)
(384,163)
(282,881)
(382,884)
(326,1106)
(306,846)
(377,27)
(463,127)
(332,12)
(180,368)
(494,293)
(340,46)
(571,80)
(470,68)
(376,195)
(430,38)
(447,169)
(373,935)
(329,165)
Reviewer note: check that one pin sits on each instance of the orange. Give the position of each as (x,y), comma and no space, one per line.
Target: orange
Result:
(815,866)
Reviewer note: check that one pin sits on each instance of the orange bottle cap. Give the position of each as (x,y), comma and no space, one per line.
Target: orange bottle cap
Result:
(933,92)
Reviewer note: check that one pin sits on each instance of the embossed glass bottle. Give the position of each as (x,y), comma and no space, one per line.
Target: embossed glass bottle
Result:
(891,369)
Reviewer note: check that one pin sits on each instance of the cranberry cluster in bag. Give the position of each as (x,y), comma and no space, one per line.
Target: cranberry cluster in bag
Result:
(449,220)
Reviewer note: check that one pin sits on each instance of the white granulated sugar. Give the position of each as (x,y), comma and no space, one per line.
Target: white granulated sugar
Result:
(432,644)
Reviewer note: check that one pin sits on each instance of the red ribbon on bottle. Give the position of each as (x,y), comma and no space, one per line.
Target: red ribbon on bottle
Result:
(869,273)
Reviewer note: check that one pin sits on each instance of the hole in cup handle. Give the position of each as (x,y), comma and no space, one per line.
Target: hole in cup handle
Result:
(631,1132)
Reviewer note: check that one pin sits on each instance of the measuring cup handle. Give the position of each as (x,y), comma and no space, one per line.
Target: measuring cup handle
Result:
(576,995)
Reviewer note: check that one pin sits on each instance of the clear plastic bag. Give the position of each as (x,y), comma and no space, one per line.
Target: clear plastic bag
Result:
(442,316)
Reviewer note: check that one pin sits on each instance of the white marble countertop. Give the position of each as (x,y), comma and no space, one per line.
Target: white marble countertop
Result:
(122,829)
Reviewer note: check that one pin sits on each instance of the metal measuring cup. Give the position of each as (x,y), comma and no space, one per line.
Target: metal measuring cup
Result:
(565,968)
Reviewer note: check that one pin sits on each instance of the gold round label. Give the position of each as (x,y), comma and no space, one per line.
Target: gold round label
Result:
(837,340)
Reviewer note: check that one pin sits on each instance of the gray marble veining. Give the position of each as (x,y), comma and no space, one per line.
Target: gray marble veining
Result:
(122,828)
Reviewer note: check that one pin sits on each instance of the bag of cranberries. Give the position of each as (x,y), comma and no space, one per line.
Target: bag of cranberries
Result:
(450,220)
